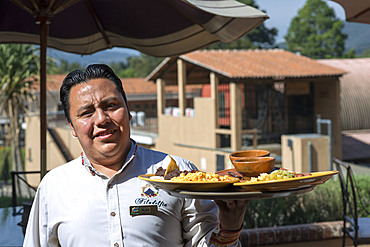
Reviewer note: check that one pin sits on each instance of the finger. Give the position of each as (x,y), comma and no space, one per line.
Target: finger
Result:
(242,202)
(237,202)
(231,203)
(220,203)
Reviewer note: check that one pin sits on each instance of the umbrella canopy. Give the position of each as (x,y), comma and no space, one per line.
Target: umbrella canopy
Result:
(155,27)
(158,28)
(356,10)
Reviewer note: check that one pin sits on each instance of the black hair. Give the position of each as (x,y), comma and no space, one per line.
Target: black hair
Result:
(93,71)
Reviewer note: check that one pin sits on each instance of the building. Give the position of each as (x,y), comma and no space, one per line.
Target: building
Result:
(263,93)
(355,105)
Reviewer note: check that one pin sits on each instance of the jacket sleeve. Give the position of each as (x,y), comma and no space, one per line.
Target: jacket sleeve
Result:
(200,226)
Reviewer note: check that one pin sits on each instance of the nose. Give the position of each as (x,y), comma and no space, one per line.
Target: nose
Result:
(101,117)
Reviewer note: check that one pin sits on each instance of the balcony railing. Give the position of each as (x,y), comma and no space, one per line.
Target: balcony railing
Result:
(16,175)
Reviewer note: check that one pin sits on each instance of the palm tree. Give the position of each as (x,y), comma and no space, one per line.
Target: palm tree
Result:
(18,66)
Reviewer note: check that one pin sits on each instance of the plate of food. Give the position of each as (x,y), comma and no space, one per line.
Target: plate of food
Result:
(174,179)
(192,181)
(283,180)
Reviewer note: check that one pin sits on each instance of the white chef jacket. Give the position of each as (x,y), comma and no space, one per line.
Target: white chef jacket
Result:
(75,205)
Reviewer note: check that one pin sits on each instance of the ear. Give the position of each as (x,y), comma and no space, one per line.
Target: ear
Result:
(74,134)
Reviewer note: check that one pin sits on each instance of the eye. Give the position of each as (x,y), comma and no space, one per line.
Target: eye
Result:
(86,113)
(111,106)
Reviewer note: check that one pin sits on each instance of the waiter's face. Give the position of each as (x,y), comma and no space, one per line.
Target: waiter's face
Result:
(100,120)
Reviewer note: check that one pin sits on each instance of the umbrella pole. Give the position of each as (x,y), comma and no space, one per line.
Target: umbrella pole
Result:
(44,29)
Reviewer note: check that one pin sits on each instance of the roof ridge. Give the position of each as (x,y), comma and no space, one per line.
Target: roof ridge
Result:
(237,50)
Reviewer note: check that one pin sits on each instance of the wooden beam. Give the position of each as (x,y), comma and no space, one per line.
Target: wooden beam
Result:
(181,79)
(235,115)
(223,131)
(161,99)
(214,95)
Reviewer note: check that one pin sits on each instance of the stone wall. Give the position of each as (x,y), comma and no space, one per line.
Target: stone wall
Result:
(328,234)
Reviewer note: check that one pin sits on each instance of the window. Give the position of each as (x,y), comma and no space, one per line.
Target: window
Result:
(222,105)
(250,101)
(220,162)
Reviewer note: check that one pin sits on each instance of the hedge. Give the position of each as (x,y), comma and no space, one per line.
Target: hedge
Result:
(324,203)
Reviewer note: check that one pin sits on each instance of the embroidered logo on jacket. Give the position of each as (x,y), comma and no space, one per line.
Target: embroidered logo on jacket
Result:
(149,191)
(147,196)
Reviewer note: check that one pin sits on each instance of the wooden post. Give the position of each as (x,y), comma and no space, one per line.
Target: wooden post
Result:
(161,97)
(44,31)
(181,79)
(214,95)
(235,116)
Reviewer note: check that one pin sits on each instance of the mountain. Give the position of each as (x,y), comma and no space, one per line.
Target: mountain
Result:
(358,36)
(105,56)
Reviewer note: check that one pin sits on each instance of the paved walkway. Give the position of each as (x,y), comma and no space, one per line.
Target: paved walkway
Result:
(361,169)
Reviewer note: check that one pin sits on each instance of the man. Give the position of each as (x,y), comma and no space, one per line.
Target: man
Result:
(96,199)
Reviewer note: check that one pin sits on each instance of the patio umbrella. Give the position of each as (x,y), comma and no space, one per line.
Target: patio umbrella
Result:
(356,10)
(155,27)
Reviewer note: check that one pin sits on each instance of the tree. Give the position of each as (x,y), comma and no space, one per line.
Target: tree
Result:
(18,65)
(140,66)
(316,32)
(260,37)
(61,66)
(366,53)
(118,68)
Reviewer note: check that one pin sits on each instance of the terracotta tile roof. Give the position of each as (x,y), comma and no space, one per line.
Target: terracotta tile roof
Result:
(130,85)
(272,63)
(53,83)
(138,86)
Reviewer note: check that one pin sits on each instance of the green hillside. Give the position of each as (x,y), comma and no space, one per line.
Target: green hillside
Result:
(358,36)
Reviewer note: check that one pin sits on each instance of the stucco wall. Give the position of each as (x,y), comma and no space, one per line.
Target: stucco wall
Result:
(327,104)
(54,157)
(295,157)
(192,138)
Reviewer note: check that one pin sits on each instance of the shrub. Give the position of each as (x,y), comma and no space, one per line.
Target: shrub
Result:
(5,164)
(363,200)
(324,203)
(6,200)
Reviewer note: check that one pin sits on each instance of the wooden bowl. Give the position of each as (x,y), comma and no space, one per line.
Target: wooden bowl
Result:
(245,154)
(254,166)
